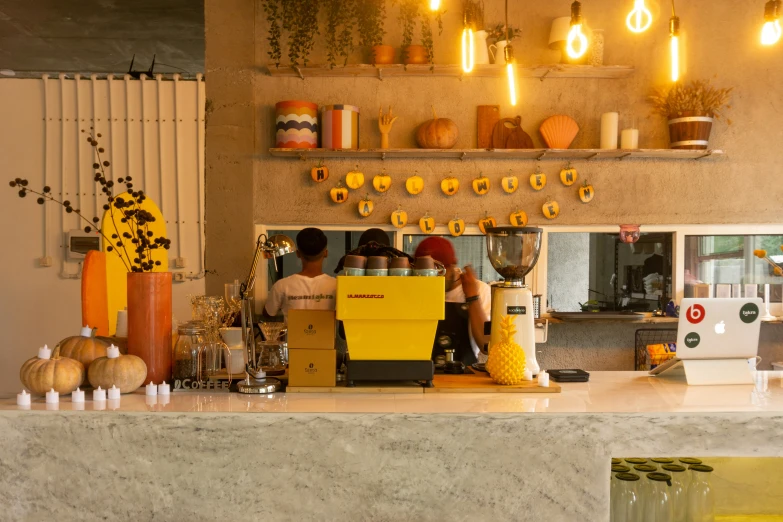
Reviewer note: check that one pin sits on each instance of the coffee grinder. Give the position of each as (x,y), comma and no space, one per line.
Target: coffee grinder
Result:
(513,253)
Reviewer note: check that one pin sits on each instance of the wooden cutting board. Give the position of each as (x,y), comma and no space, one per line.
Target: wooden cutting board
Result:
(502,131)
(519,139)
(487,117)
(482,383)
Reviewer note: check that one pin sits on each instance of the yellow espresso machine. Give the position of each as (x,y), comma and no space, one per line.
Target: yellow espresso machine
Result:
(390,324)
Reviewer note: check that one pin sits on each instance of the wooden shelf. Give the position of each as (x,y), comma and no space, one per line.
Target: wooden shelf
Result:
(509,154)
(644,320)
(606,72)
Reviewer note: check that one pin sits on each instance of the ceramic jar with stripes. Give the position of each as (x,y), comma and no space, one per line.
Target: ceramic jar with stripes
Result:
(296,124)
(340,127)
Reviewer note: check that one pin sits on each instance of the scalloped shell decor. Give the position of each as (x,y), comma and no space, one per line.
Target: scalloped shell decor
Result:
(559,131)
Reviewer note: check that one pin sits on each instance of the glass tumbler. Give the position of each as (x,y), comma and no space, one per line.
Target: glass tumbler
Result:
(679,491)
(625,502)
(701,501)
(658,504)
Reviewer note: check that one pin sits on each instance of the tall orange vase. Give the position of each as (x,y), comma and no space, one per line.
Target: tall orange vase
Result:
(149,322)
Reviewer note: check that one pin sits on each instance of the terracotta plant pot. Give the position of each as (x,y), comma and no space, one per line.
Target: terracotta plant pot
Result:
(382,54)
(690,130)
(149,322)
(415,55)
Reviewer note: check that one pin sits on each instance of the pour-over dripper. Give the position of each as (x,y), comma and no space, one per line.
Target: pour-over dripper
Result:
(271,330)
(513,251)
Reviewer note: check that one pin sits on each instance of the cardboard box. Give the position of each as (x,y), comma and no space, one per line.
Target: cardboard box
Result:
(312,367)
(311,329)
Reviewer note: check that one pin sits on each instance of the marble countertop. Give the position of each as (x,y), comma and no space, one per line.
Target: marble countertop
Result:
(607,392)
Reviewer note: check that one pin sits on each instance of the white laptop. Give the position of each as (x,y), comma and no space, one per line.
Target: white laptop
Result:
(716,329)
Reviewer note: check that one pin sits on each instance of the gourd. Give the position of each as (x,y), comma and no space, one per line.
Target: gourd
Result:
(381,182)
(456,227)
(427,224)
(319,173)
(126,372)
(437,133)
(550,209)
(339,194)
(399,218)
(366,207)
(487,222)
(355,179)
(538,179)
(510,183)
(568,175)
(51,371)
(481,185)
(84,348)
(449,186)
(414,184)
(518,218)
(586,193)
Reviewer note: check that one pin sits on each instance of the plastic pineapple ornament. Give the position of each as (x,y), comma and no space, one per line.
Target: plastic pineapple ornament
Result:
(506,363)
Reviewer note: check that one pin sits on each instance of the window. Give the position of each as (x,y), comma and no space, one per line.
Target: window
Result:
(470,250)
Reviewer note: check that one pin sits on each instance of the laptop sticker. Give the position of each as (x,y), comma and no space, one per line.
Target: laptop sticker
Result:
(695,314)
(692,340)
(749,313)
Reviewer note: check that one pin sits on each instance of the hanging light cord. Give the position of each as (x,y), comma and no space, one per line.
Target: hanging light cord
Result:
(673,12)
(506,28)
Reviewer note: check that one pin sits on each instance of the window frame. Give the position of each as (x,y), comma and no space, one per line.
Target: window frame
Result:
(538,277)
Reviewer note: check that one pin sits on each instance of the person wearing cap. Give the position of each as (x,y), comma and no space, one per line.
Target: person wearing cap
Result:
(310,289)
(468,304)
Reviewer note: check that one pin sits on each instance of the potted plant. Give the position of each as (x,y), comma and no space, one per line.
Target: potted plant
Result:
(340,19)
(691,109)
(500,35)
(411,12)
(370,17)
(300,19)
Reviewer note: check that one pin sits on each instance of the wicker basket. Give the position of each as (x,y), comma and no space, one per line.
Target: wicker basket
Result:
(690,130)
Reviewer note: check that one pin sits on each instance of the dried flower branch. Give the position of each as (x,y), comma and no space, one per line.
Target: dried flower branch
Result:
(697,96)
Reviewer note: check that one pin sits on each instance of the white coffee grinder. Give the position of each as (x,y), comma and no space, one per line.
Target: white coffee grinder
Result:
(513,252)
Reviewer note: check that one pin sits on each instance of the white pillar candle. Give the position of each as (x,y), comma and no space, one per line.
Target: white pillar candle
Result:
(77,395)
(609,126)
(23,399)
(543,379)
(629,139)
(112,352)
(86,331)
(164,389)
(44,353)
(99,395)
(152,389)
(114,393)
(52,397)
(527,375)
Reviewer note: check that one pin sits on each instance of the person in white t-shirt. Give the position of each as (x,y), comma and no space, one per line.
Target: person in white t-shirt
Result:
(310,289)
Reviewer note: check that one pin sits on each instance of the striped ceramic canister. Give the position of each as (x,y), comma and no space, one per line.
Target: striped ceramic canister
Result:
(296,123)
(340,127)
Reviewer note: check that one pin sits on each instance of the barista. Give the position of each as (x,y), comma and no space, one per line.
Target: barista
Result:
(310,289)
(468,304)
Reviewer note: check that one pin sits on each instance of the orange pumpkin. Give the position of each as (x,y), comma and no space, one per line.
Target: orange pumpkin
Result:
(399,218)
(456,227)
(51,371)
(84,348)
(126,372)
(366,207)
(481,185)
(586,193)
(538,179)
(319,173)
(427,224)
(568,175)
(518,218)
(550,209)
(510,183)
(382,182)
(449,186)
(414,184)
(339,194)
(437,133)
(487,222)
(355,179)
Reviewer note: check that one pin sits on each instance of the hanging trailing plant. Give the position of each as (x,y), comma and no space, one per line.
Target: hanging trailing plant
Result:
(426,34)
(370,17)
(272,8)
(300,19)
(340,21)
(412,11)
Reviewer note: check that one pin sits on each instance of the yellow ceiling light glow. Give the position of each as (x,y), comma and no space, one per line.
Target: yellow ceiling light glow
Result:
(434,5)
(640,18)
(468,50)
(674,35)
(576,45)
(771,31)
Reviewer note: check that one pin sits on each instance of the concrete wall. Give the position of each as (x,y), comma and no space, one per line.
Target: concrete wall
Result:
(568,271)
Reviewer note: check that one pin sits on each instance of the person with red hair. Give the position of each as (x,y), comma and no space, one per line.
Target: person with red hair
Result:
(468,304)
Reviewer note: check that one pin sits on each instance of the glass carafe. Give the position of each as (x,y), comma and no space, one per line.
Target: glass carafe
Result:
(625,503)
(272,357)
(701,502)
(658,505)
(190,345)
(679,491)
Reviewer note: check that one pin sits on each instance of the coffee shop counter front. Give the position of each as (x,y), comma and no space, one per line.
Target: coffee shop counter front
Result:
(353,456)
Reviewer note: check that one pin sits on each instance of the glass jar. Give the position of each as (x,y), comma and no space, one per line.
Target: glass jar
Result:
(188,350)
(679,491)
(701,502)
(658,504)
(272,359)
(625,500)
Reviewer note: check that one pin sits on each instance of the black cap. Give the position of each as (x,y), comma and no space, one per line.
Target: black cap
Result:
(374,234)
(311,241)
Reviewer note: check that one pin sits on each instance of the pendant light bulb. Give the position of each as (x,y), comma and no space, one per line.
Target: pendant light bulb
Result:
(771,32)
(434,5)
(576,45)
(640,18)
(674,32)
(468,50)
(511,72)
